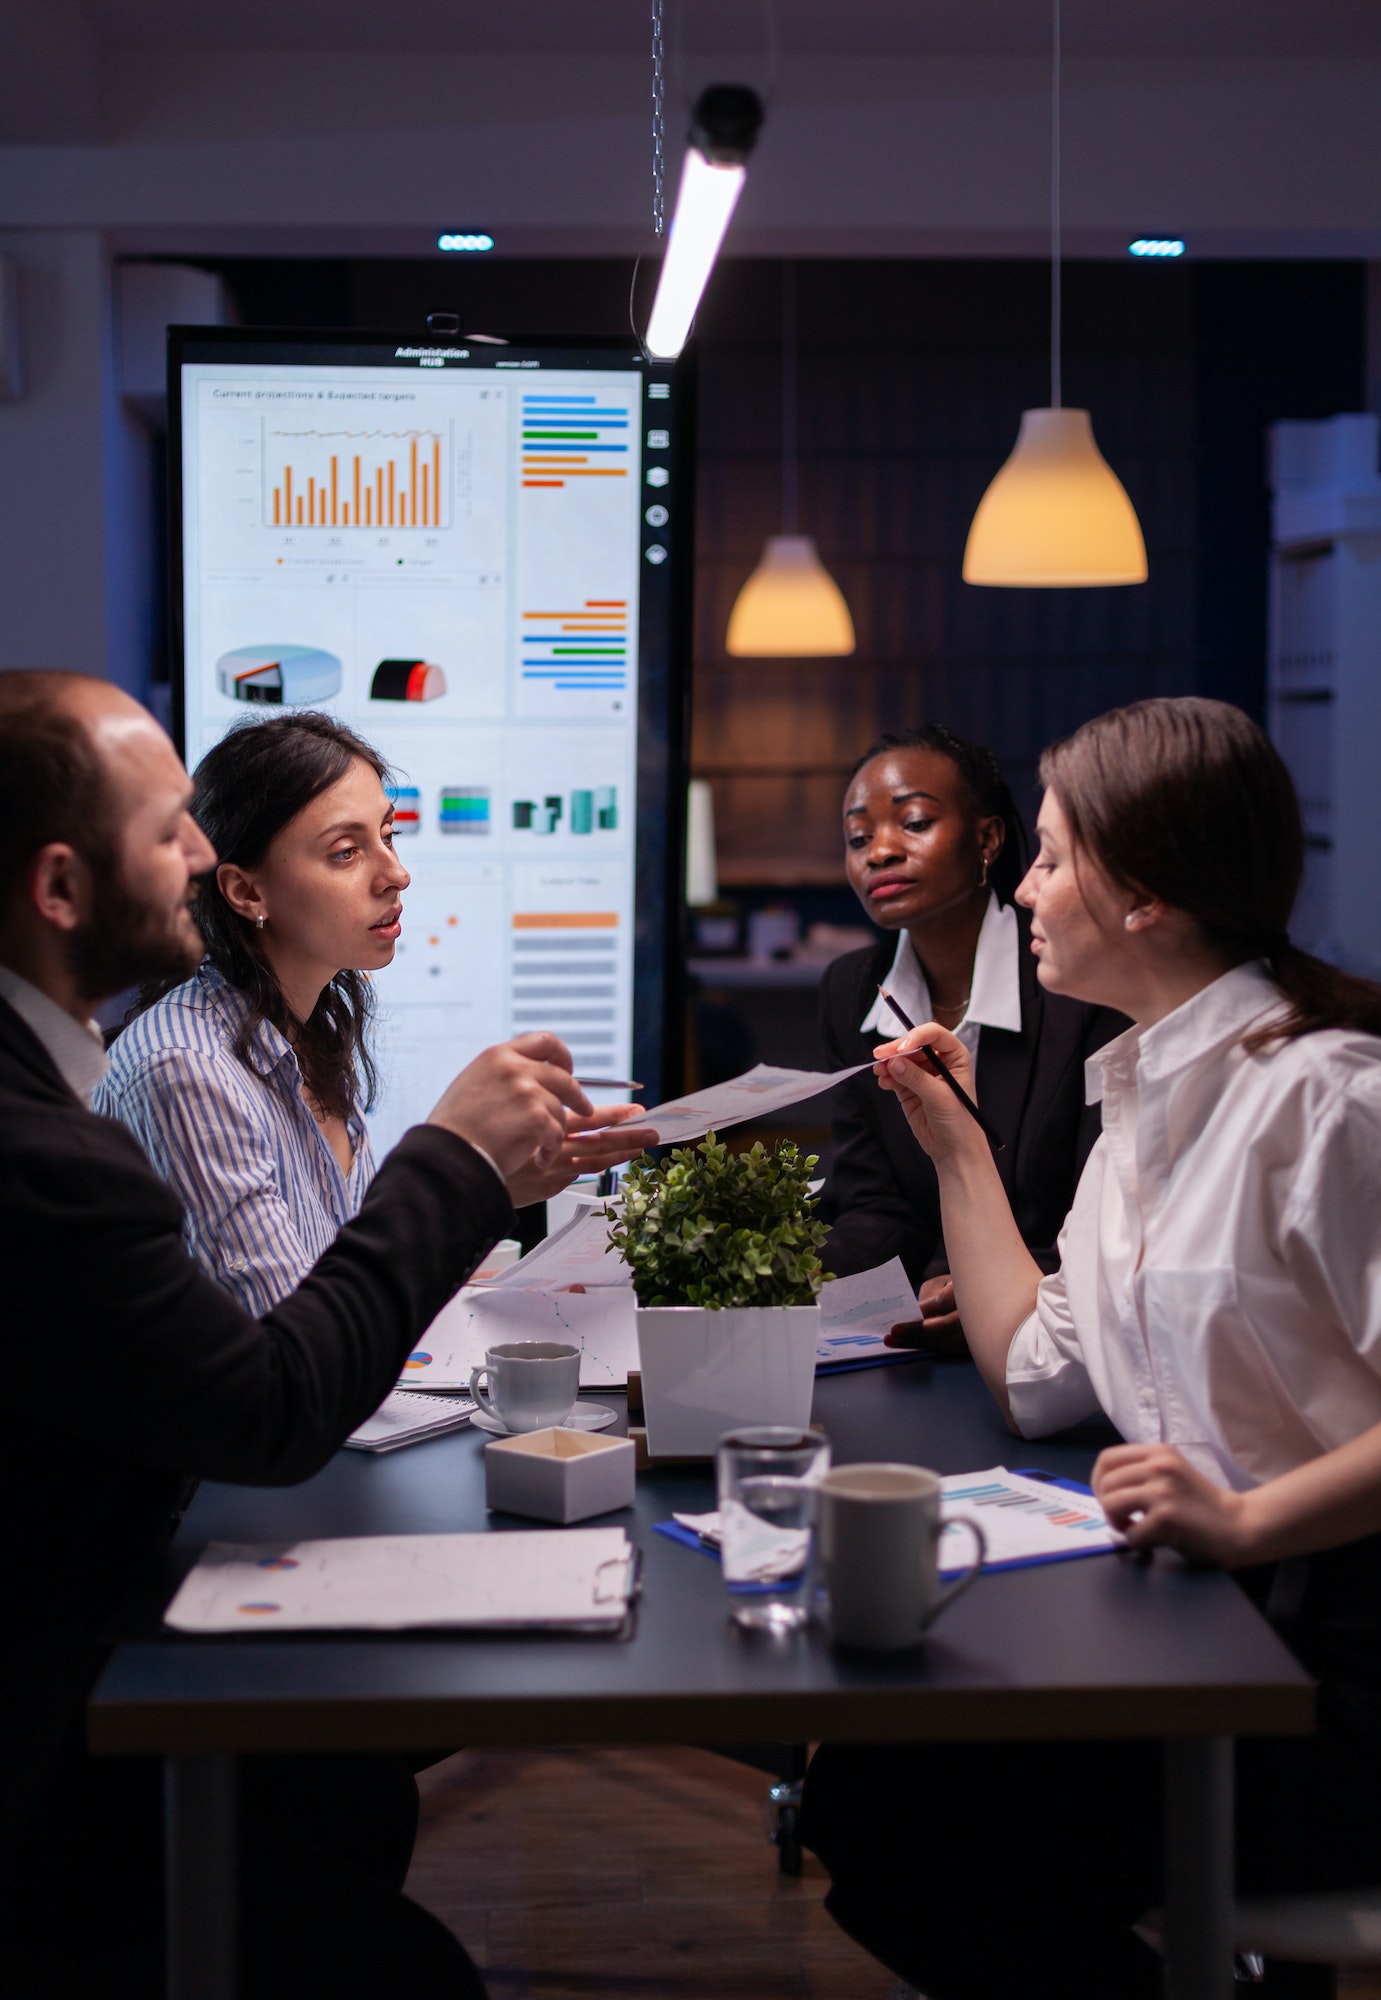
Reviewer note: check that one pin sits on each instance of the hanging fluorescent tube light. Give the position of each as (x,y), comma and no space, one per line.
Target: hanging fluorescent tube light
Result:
(724,128)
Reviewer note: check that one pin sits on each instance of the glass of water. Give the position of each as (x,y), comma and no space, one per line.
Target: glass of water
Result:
(769,1481)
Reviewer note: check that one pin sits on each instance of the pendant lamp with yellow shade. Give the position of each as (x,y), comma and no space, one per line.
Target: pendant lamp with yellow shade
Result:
(1057,515)
(791,607)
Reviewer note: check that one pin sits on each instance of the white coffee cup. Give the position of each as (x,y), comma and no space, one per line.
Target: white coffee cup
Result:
(879,1527)
(528,1384)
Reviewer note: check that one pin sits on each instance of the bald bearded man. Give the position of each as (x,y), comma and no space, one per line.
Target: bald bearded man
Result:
(164,1378)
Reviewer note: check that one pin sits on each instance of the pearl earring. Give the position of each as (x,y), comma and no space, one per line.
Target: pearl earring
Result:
(259,921)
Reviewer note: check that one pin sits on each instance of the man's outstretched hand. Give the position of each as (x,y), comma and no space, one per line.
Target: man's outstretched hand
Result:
(585,1150)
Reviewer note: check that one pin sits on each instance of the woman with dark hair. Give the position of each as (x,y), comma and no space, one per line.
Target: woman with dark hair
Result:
(934,849)
(247,1084)
(1219,1298)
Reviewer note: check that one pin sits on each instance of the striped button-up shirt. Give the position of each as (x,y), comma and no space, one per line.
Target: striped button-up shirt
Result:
(263,1194)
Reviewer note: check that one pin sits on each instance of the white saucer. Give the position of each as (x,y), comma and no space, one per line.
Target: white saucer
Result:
(584,1417)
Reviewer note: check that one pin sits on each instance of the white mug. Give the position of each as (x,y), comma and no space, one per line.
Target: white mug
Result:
(879,1527)
(528,1384)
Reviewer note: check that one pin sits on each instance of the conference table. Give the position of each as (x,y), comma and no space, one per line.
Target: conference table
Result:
(1104,1647)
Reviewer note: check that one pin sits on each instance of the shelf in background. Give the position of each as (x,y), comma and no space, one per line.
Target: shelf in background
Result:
(758,974)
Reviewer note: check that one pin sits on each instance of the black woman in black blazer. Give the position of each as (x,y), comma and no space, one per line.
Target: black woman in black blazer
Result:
(882,1199)
(933,845)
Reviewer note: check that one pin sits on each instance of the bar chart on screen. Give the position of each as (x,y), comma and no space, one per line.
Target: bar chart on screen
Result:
(576,561)
(575,661)
(321,477)
(567,976)
(569,436)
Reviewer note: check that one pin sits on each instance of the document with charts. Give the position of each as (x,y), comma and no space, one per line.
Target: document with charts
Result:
(858,1312)
(532,1301)
(1024,1520)
(576,1254)
(600,1323)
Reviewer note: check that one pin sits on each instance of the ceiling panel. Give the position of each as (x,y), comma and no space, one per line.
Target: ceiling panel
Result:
(864,27)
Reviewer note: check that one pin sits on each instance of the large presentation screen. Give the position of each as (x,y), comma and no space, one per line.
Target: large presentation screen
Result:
(476,556)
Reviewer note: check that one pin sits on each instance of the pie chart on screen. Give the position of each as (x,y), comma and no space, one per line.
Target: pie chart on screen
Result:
(286,675)
(407,680)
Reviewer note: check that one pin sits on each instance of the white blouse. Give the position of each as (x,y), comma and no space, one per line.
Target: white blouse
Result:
(1219,1286)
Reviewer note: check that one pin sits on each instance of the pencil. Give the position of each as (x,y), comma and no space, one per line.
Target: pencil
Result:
(606,1083)
(994,1137)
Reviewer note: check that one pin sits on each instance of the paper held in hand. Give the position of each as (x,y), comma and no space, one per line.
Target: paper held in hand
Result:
(752,1095)
(580,1578)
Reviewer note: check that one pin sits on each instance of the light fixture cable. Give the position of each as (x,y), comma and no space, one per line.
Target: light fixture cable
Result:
(789,399)
(1056,385)
(659,127)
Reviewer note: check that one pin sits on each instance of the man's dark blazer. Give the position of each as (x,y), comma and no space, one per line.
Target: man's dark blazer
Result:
(130,1371)
(882,1199)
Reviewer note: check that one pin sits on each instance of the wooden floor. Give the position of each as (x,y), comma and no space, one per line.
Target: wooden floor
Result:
(643,1875)
(637,1874)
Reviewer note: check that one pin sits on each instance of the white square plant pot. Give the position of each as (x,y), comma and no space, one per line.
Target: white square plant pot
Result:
(704,1372)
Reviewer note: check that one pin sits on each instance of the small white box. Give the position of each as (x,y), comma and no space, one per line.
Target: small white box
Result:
(559,1475)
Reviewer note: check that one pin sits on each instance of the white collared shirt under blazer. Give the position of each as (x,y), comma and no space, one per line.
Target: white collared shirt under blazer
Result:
(1220,1280)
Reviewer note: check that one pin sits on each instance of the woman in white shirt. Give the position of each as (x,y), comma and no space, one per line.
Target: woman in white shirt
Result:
(1218,1297)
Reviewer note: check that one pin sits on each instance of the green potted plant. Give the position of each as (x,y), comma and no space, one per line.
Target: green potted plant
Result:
(724,1253)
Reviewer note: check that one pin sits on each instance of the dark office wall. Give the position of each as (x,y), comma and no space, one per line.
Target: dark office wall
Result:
(912,379)
(1272,340)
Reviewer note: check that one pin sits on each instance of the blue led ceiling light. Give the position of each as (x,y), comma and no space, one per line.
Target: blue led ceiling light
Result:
(477,242)
(1157,246)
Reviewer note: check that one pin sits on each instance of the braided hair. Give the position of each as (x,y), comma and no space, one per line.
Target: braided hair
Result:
(989,792)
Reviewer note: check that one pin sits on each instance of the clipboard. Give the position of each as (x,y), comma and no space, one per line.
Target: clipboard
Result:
(564,1579)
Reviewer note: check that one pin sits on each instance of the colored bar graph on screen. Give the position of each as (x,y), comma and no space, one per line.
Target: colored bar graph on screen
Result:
(566,974)
(355,479)
(573,437)
(464,809)
(584,648)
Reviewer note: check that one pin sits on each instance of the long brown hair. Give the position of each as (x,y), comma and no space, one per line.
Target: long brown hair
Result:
(244,791)
(1185,800)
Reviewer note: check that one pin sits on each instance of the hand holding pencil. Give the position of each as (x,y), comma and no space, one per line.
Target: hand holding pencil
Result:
(931,1073)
